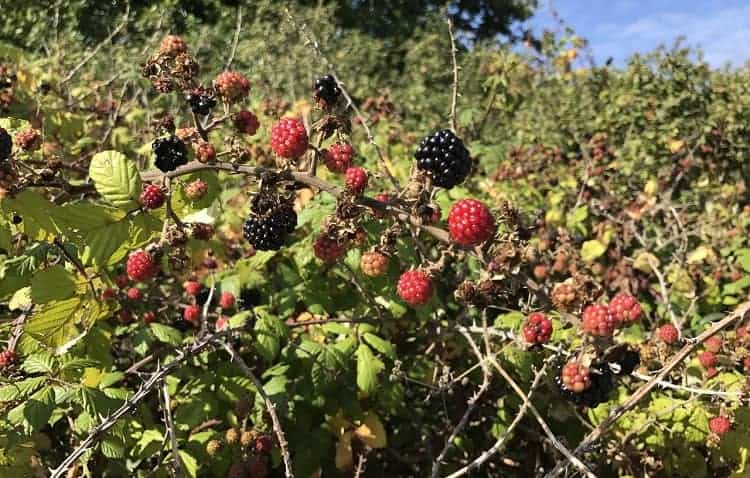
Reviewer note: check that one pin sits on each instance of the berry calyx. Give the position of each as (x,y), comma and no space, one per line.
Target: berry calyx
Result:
(470,223)
(415,287)
(192,314)
(232,86)
(720,425)
(226,300)
(356,180)
(268,231)
(170,153)
(707,359)
(338,157)
(152,197)
(7,358)
(444,157)
(668,334)
(289,138)
(149,317)
(327,91)
(373,263)
(196,190)
(172,45)
(598,321)
(328,249)
(192,287)
(625,308)
(133,293)
(141,266)
(246,122)
(6,145)
(538,329)
(575,377)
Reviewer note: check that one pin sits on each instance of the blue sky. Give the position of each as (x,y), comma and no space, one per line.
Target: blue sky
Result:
(619,28)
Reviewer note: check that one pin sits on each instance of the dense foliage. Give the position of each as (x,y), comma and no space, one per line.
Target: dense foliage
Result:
(191,284)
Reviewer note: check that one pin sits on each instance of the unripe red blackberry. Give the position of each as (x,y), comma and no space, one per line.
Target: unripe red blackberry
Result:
(328,249)
(538,329)
(152,197)
(575,377)
(327,91)
(226,301)
(172,45)
(338,157)
(289,138)
(133,293)
(109,293)
(149,317)
(122,281)
(196,190)
(7,358)
(444,157)
(373,263)
(124,316)
(713,344)
(192,287)
(257,467)
(625,308)
(232,86)
(263,444)
(213,447)
(356,180)
(205,152)
(598,321)
(141,266)
(192,314)
(415,287)
(470,223)
(246,122)
(6,145)
(221,323)
(668,334)
(707,359)
(720,425)
(29,140)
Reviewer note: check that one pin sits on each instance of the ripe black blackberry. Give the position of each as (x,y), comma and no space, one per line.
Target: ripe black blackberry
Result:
(249,298)
(327,90)
(170,152)
(6,145)
(200,103)
(444,157)
(599,390)
(268,232)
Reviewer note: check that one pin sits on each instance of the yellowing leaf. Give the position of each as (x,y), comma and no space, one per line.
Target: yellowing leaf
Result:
(91,377)
(645,262)
(344,454)
(592,250)
(676,145)
(700,254)
(371,432)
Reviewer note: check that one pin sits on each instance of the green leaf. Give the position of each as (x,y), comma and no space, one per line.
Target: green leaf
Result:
(35,210)
(164,333)
(57,323)
(38,408)
(190,464)
(53,283)
(21,389)
(39,363)
(383,346)
(368,369)
(269,331)
(592,250)
(116,178)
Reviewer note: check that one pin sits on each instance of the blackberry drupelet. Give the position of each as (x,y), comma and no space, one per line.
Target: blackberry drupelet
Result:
(268,232)
(170,152)
(444,157)
(327,89)
(201,104)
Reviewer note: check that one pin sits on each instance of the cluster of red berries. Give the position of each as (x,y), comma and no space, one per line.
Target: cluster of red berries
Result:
(538,329)
(7,358)
(602,320)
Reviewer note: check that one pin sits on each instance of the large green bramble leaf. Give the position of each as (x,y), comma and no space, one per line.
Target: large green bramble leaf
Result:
(368,369)
(116,178)
(53,283)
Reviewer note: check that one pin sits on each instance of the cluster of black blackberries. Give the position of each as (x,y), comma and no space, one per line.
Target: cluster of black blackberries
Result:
(170,152)
(268,230)
(327,89)
(201,103)
(6,145)
(444,157)
(601,385)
